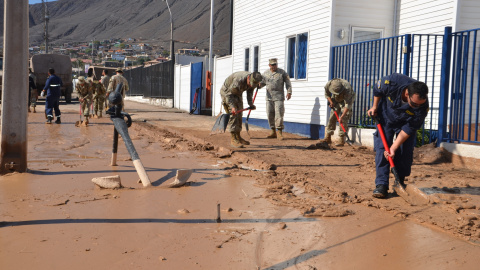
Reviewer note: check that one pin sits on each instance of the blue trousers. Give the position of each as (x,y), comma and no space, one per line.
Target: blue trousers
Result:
(403,157)
(52,103)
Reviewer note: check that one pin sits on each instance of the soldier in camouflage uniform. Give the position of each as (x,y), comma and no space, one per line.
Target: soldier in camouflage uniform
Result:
(232,100)
(114,81)
(105,81)
(84,91)
(275,78)
(340,96)
(98,98)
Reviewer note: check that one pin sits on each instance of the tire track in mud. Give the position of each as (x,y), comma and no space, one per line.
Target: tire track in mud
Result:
(324,182)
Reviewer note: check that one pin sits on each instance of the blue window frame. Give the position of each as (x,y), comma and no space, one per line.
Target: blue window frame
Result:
(297,52)
(247,59)
(255,58)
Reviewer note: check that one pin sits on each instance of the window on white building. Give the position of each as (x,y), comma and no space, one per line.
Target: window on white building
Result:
(360,34)
(256,50)
(247,59)
(297,52)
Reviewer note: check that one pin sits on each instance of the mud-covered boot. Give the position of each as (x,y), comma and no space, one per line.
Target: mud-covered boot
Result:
(49,120)
(327,139)
(340,141)
(272,134)
(280,135)
(58,120)
(241,140)
(234,141)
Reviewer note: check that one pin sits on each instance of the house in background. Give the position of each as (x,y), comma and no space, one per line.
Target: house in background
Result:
(301,35)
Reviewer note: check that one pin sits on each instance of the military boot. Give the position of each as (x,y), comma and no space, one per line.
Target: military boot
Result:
(340,141)
(280,135)
(327,139)
(49,120)
(272,134)
(241,140)
(234,141)
(58,120)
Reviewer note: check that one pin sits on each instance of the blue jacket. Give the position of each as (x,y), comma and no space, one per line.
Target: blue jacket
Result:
(52,86)
(394,113)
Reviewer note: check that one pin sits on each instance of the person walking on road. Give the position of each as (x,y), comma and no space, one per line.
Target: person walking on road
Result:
(400,104)
(105,80)
(340,96)
(99,92)
(53,92)
(231,92)
(84,91)
(275,78)
(114,81)
(32,92)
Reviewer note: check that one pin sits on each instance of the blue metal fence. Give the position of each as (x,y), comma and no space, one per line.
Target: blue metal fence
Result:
(454,109)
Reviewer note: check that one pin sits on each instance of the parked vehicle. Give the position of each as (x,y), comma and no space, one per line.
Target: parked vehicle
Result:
(62,64)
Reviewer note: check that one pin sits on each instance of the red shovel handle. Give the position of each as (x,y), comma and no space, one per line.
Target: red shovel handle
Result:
(253,101)
(338,119)
(384,140)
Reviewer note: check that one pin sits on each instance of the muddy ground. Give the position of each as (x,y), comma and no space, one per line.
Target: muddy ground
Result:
(326,181)
(284,204)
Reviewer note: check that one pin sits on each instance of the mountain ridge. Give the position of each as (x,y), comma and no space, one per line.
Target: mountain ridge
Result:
(148,20)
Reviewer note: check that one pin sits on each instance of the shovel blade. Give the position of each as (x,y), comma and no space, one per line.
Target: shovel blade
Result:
(411,194)
(78,123)
(221,124)
(181,178)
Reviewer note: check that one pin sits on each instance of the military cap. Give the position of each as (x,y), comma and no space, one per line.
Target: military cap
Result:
(255,78)
(336,86)
(119,70)
(81,79)
(272,61)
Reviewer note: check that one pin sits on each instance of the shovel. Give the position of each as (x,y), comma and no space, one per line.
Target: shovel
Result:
(181,178)
(80,122)
(222,121)
(411,194)
(248,116)
(350,142)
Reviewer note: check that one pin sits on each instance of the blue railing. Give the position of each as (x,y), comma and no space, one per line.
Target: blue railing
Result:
(436,60)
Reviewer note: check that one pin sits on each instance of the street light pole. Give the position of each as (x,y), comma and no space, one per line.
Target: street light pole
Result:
(171,32)
(172,57)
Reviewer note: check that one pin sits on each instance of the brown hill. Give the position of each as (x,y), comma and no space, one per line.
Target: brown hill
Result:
(149,20)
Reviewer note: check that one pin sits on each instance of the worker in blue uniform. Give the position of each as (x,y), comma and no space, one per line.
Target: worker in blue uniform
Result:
(52,101)
(401,104)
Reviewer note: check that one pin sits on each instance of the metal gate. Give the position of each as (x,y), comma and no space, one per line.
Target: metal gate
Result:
(454,114)
(151,82)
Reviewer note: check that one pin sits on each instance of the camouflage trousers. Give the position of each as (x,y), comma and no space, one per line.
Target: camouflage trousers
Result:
(32,98)
(86,103)
(332,121)
(275,113)
(235,122)
(98,103)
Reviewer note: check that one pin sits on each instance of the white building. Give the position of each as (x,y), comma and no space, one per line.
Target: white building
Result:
(265,29)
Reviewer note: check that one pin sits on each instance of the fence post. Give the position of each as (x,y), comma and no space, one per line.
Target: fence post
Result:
(407,49)
(444,83)
(332,63)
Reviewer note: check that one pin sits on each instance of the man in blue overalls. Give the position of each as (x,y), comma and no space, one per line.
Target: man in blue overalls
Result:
(401,105)
(52,101)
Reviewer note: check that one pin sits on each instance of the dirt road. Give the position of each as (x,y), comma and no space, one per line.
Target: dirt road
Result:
(283,206)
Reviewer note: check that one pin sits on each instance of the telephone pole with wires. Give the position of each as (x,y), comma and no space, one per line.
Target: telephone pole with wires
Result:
(45,25)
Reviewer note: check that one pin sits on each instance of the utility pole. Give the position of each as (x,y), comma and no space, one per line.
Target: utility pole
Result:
(13,151)
(210,49)
(47,18)
(93,60)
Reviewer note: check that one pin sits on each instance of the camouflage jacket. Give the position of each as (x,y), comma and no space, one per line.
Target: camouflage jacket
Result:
(347,95)
(84,90)
(105,81)
(235,85)
(275,82)
(98,89)
(115,80)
